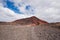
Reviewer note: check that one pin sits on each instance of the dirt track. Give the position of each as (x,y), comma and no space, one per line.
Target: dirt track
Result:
(17,32)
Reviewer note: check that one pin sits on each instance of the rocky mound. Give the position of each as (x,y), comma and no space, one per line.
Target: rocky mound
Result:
(27,21)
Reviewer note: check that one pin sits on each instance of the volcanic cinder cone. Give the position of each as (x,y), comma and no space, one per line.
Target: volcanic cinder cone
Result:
(26,21)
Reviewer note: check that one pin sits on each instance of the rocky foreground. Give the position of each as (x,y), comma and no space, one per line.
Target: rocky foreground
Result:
(29,29)
(26,32)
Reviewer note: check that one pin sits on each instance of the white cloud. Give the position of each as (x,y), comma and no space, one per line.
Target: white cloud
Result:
(8,15)
(48,10)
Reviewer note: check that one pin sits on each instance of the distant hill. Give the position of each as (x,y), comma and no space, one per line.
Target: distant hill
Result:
(55,25)
(26,21)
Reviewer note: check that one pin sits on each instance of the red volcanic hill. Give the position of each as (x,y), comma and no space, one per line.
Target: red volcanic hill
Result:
(27,21)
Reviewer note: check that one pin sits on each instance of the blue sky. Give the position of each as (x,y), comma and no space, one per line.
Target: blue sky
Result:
(48,10)
(10,5)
